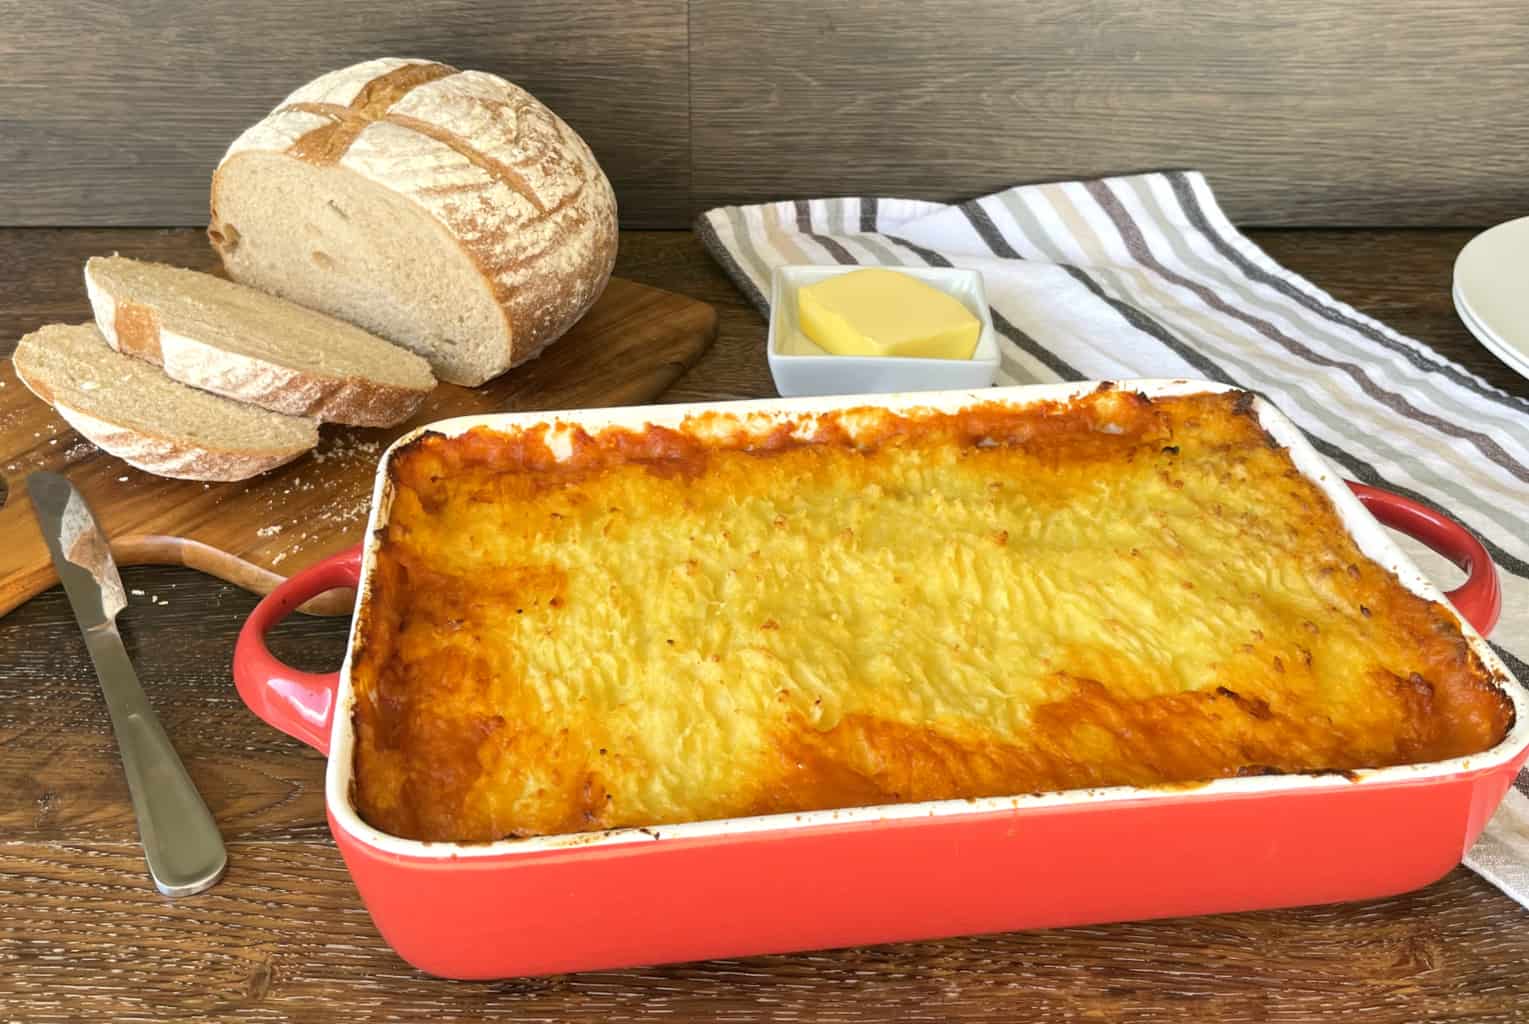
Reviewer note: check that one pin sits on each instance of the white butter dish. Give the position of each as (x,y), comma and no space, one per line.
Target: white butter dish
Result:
(802,368)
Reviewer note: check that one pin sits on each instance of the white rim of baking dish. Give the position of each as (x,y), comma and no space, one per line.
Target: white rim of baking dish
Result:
(1371,537)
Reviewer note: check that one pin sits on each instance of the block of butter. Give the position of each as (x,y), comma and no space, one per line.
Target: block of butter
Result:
(877,312)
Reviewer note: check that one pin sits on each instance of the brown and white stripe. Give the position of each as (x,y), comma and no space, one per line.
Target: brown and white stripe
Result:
(1144,276)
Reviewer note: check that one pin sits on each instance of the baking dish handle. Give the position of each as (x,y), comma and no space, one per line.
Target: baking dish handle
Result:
(1479,598)
(300,704)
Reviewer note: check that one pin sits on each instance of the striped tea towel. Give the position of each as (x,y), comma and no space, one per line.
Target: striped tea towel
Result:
(1144,276)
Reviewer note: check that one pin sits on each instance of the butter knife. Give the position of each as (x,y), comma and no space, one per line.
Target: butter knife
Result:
(180,839)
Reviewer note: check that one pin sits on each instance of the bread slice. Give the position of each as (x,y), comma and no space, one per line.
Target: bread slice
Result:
(446,210)
(237,342)
(131,409)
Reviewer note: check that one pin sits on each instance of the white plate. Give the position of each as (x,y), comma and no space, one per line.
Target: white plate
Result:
(1491,342)
(1492,284)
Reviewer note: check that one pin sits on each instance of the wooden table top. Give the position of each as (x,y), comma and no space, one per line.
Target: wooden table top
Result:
(84,936)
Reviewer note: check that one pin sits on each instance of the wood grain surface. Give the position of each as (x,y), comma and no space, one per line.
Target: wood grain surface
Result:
(627,349)
(83,935)
(1302,112)
(116,113)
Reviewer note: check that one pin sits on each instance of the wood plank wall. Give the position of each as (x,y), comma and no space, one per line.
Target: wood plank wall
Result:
(1374,112)
(116,113)
(1305,112)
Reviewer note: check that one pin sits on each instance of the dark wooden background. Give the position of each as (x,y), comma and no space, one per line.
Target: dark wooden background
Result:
(1303,112)
(116,113)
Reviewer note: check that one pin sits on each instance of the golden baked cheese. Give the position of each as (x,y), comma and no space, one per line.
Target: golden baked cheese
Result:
(675,625)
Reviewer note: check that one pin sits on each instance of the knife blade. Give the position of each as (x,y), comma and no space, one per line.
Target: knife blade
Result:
(181,843)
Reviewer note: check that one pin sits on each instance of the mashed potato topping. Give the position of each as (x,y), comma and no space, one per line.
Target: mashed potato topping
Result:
(662,625)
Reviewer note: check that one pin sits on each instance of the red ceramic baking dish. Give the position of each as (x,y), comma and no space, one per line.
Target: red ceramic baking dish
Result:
(909,871)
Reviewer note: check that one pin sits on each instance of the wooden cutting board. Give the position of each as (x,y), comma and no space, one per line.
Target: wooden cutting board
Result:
(626,351)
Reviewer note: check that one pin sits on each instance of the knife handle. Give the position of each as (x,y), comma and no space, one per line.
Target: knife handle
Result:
(181,843)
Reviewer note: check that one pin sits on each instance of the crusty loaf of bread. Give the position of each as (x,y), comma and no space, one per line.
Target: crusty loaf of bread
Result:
(131,409)
(445,210)
(247,345)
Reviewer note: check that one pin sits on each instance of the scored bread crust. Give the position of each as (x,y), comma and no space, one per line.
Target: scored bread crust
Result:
(136,329)
(518,191)
(156,452)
